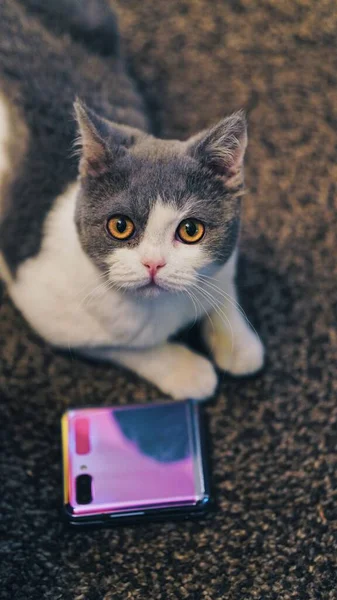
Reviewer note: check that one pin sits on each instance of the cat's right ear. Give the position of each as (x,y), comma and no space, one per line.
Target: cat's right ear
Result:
(100,141)
(222,148)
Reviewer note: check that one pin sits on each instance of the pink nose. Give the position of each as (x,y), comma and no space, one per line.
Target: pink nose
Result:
(153,266)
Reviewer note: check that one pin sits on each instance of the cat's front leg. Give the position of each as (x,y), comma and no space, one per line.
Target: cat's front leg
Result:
(233,344)
(173,368)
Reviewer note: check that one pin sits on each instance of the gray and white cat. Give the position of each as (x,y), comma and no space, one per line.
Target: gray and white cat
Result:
(112,251)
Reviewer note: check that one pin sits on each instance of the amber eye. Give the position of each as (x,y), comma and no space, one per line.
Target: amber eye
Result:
(190,231)
(120,227)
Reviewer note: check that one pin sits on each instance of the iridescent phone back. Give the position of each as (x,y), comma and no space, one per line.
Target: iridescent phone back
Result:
(132,459)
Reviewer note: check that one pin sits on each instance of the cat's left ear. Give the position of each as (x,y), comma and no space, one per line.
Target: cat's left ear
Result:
(101,141)
(222,148)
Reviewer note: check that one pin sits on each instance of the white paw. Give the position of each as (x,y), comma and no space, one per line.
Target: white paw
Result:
(245,357)
(189,376)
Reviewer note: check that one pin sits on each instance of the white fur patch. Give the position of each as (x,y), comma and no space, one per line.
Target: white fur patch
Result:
(13,142)
(5,131)
(176,370)
(47,288)
(162,223)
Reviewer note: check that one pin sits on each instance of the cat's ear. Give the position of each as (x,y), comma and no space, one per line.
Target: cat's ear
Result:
(100,140)
(222,148)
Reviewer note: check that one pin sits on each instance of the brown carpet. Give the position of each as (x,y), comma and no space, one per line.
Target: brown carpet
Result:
(274,437)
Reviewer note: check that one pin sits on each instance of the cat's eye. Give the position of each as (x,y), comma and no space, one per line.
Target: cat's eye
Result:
(190,231)
(120,227)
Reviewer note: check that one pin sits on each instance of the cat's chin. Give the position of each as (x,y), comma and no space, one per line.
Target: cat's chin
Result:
(150,290)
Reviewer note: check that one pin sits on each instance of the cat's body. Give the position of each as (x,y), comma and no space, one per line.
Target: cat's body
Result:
(76,280)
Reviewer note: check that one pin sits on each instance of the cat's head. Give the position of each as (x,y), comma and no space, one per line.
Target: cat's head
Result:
(154,214)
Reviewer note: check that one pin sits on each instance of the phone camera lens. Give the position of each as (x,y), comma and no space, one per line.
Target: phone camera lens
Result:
(83,489)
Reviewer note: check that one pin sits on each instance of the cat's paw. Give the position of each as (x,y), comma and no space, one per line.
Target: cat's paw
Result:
(245,357)
(189,376)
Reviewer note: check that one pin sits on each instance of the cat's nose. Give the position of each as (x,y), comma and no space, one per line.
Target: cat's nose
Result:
(153,266)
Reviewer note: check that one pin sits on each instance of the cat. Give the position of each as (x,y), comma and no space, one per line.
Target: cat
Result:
(112,249)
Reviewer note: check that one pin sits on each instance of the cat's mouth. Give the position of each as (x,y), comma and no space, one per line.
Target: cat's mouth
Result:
(150,289)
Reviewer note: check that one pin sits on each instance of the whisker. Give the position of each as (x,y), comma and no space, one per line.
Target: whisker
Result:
(229,298)
(105,287)
(203,309)
(98,292)
(93,292)
(194,306)
(98,278)
(220,312)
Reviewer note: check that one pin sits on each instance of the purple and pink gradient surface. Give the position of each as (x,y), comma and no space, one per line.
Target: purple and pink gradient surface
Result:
(124,477)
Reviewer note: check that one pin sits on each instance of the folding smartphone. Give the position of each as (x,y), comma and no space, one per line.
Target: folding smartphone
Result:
(132,463)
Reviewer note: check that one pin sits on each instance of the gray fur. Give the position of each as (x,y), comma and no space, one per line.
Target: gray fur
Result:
(41,74)
(127,170)
(91,22)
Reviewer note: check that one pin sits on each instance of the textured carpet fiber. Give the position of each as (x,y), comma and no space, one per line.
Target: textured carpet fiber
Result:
(274,437)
